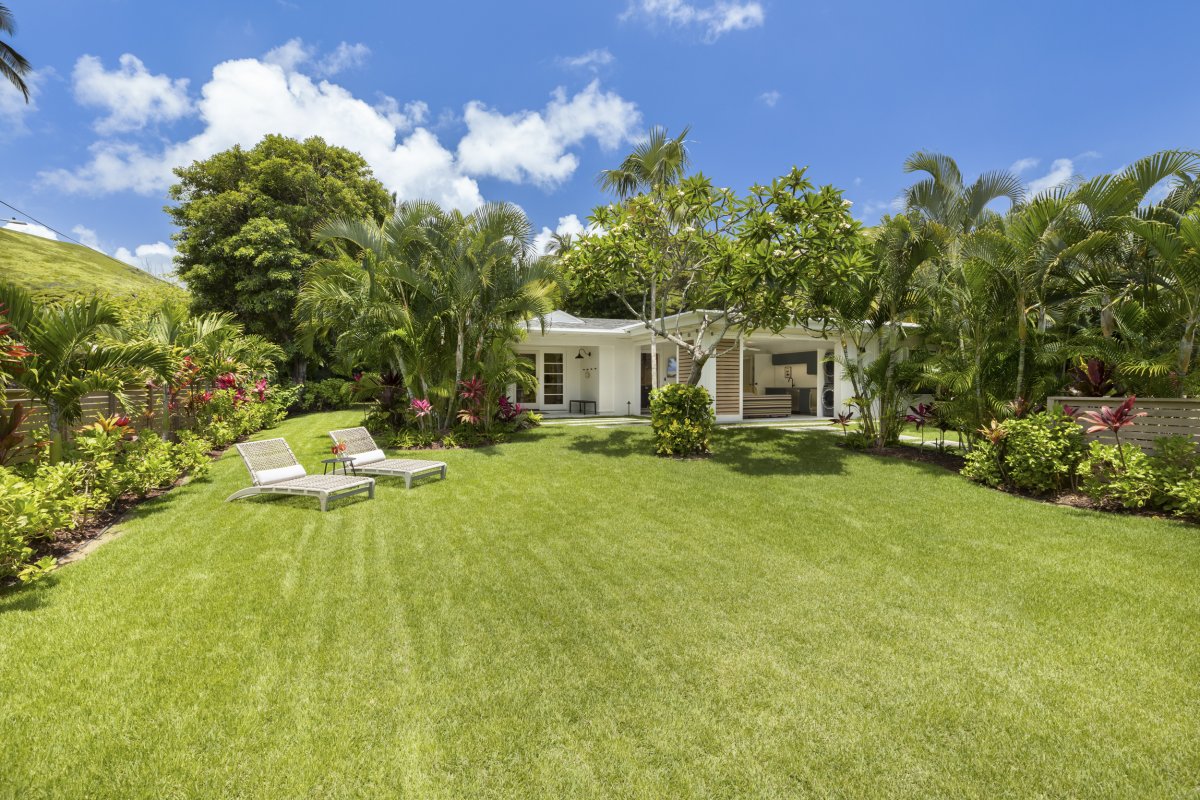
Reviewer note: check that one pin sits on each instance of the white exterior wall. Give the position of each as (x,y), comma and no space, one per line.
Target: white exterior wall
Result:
(615,358)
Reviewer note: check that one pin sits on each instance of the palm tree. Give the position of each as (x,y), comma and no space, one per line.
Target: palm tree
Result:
(944,198)
(13,65)
(654,163)
(428,294)
(74,354)
(213,342)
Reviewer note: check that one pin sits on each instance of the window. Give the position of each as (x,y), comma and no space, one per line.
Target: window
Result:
(552,379)
(525,396)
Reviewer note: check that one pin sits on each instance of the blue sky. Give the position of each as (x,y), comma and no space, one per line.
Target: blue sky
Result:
(527,101)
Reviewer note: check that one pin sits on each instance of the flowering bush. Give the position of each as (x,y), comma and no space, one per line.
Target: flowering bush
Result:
(682,420)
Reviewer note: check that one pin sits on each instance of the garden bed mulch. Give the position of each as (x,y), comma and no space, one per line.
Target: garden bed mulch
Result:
(941,458)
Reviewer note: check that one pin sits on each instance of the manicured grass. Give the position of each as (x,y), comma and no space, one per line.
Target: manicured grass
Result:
(60,269)
(567,616)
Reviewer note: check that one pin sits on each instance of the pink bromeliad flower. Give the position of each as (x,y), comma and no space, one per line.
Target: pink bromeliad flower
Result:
(421,408)
(261,389)
(226,381)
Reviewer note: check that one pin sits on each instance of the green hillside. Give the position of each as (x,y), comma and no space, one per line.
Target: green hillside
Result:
(59,269)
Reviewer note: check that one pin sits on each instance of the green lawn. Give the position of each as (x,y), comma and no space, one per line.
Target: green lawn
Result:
(566,616)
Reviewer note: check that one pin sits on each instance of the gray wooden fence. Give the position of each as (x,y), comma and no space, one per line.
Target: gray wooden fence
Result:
(94,405)
(1165,416)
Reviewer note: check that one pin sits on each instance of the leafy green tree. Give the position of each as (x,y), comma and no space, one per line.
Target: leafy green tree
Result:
(13,65)
(741,263)
(247,228)
(655,163)
(74,353)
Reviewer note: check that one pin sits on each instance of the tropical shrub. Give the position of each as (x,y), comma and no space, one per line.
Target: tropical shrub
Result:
(682,420)
(1039,453)
(1120,477)
(331,394)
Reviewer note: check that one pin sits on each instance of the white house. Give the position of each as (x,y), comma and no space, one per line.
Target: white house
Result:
(602,366)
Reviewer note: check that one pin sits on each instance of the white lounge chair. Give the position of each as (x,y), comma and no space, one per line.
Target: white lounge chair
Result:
(275,470)
(369,459)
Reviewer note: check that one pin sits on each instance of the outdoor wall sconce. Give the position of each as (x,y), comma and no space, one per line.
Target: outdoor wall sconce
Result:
(581,354)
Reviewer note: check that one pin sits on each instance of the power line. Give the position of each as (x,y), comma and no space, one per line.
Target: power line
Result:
(47,227)
(36,221)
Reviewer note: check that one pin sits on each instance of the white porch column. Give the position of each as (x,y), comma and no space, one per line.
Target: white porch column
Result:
(606,374)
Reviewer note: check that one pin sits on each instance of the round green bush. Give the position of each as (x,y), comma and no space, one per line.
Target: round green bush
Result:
(682,419)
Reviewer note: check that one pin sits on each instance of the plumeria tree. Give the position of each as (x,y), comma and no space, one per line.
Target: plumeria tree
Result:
(740,262)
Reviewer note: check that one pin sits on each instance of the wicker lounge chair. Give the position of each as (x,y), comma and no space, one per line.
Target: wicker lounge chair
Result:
(275,470)
(370,460)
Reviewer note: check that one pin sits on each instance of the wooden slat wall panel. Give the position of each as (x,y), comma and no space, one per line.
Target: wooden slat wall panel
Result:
(729,377)
(1164,417)
(94,405)
(683,366)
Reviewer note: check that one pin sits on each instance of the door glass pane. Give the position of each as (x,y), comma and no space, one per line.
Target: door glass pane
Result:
(552,378)
(524,396)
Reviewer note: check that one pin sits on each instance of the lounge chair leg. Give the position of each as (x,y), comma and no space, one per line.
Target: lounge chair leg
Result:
(443,472)
(408,481)
(323,499)
(371,492)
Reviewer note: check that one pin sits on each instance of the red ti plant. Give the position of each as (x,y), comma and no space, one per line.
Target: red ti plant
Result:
(843,419)
(1092,378)
(473,392)
(260,389)
(920,415)
(11,440)
(1113,420)
(508,409)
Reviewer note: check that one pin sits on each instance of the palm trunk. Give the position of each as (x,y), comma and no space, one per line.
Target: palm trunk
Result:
(54,423)
(166,412)
(458,368)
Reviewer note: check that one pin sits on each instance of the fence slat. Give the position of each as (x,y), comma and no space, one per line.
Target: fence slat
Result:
(1165,416)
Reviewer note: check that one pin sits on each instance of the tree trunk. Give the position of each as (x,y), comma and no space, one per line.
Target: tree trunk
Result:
(54,423)
(698,363)
(299,369)
(166,412)
(654,338)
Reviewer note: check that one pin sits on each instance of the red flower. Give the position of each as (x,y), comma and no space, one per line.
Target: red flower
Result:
(471,389)
(1109,419)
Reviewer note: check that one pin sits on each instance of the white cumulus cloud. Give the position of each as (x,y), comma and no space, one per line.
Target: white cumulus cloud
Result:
(1024,165)
(87,237)
(295,53)
(568,225)
(713,20)
(14,111)
(770,99)
(533,145)
(592,59)
(31,228)
(132,96)
(157,258)
(246,99)
(1061,172)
